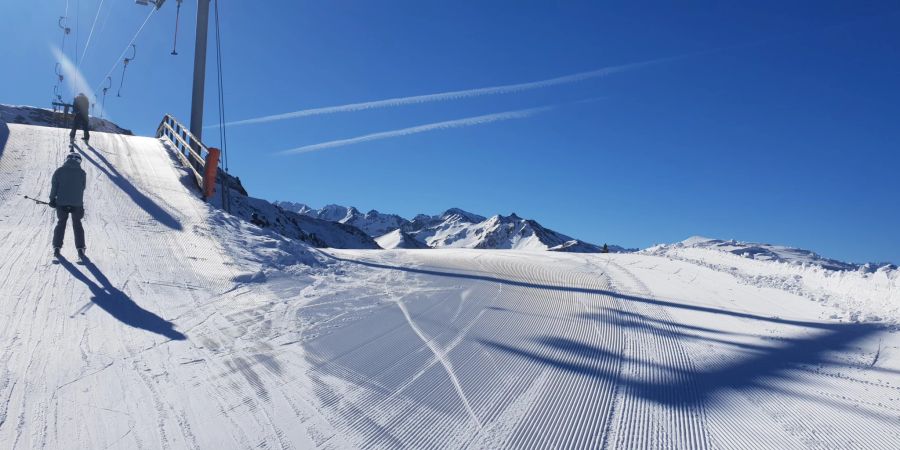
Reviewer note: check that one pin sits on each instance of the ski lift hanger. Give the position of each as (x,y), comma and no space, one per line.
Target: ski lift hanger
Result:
(105,89)
(125,67)
(62,25)
(177,16)
(157,3)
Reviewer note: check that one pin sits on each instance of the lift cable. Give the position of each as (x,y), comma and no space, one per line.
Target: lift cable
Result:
(91,34)
(63,24)
(127,48)
(222,135)
(77,30)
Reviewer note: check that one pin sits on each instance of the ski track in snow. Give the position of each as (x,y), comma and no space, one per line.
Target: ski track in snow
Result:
(155,345)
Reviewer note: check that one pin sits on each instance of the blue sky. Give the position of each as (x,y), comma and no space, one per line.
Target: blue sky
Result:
(778,124)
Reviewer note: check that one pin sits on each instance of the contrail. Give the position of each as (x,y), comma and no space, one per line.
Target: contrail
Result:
(458,123)
(456,95)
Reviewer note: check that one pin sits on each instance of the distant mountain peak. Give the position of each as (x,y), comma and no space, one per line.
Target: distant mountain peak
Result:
(454,228)
(465,215)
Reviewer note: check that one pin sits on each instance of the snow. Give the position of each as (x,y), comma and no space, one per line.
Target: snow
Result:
(454,228)
(398,239)
(193,328)
(763,252)
(29,115)
(857,291)
(313,231)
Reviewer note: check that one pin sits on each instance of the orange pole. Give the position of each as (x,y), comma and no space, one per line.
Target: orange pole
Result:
(211,168)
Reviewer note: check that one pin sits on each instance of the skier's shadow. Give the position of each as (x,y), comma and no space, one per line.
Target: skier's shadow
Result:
(4,136)
(144,202)
(119,305)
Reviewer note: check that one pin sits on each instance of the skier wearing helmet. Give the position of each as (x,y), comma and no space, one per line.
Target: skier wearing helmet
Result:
(67,196)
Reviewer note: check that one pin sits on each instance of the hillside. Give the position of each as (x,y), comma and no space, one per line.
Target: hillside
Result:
(193,328)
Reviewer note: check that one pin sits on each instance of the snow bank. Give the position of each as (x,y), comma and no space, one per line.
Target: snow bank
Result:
(863,294)
(29,115)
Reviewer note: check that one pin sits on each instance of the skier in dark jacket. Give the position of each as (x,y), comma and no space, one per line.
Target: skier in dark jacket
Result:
(67,196)
(81,120)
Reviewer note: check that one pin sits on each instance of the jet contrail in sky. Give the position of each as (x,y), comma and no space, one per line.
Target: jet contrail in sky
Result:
(458,123)
(455,95)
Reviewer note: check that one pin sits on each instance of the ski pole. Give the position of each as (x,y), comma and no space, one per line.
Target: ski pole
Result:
(37,201)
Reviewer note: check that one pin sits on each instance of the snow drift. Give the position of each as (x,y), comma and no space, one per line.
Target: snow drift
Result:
(861,292)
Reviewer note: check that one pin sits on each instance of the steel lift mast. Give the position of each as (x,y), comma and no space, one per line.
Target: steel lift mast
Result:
(197,93)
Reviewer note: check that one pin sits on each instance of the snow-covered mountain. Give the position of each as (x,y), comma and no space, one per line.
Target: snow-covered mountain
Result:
(29,115)
(454,228)
(761,252)
(398,239)
(373,223)
(316,232)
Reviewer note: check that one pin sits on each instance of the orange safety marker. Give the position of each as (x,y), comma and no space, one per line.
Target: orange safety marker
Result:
(211,167)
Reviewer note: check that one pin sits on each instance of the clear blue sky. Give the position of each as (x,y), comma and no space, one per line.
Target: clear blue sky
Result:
(781,124)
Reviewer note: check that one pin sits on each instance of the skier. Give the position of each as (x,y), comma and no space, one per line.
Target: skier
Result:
(81,120)
(67,196)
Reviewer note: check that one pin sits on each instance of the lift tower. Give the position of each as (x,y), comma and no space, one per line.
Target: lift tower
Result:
(199,69)
(199,61)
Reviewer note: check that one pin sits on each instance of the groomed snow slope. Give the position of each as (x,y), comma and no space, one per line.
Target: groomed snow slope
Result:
(154,344)
(192,330)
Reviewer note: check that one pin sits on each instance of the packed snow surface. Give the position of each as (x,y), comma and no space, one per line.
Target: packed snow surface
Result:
(190,328)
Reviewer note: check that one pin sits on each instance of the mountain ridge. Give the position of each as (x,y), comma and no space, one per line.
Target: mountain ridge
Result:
(453,228)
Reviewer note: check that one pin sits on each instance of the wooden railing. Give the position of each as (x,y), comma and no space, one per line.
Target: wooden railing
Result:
(201,160)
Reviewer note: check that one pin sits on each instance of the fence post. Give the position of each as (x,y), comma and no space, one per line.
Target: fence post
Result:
(211,167)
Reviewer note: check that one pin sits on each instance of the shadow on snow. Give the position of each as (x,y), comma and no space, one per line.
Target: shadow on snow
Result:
(139,198)
(758,367)
(4,136)
(119,305)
